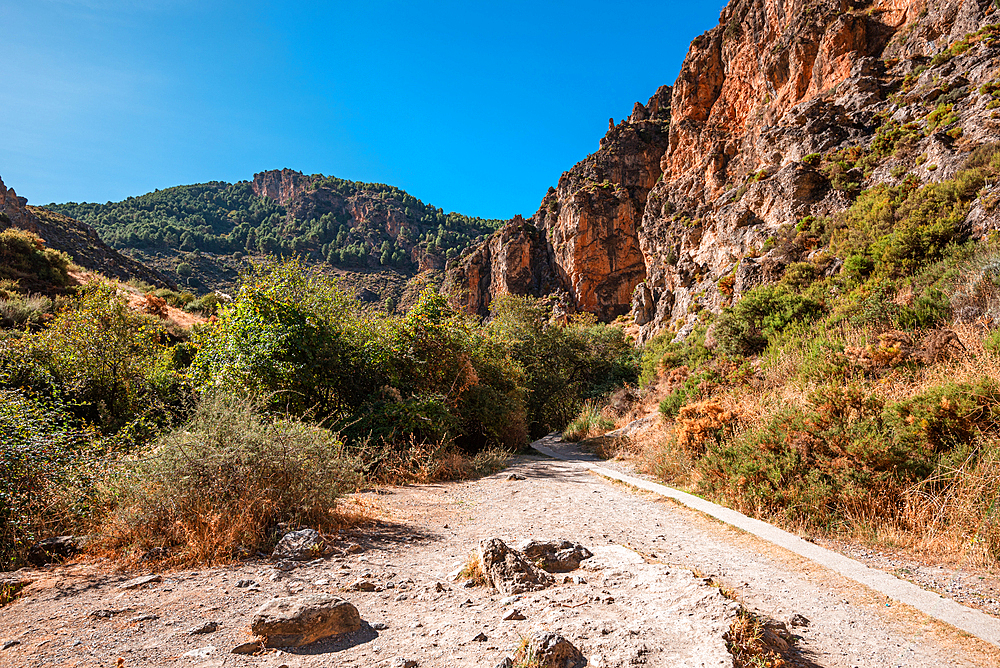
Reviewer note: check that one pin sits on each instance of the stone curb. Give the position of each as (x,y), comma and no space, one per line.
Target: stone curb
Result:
(943,609)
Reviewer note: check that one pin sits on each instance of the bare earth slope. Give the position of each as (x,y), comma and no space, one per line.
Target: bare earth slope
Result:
(645,605)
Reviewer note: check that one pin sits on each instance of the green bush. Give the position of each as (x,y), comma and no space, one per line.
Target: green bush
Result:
(563,365)
(588,424)
(47,469)
(663,352)
(744,329)
(23,255)
(847,453)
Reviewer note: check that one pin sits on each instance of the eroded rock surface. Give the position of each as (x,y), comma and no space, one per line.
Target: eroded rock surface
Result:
(509,571)
(695,198)
(295,621)
(301,545)
(555,556)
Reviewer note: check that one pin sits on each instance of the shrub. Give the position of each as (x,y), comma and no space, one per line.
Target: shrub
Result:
(24,255)
(285,336)
(25,311)
(225,484)
(588,424)
(47,467)
(744,329)
(563,365)
(103,354)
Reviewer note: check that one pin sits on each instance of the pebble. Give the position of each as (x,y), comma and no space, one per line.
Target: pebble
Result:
(135,583)
(247,648)
(207,627)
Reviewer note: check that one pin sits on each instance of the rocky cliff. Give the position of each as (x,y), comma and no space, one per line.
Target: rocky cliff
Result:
(78,240)
(785,109)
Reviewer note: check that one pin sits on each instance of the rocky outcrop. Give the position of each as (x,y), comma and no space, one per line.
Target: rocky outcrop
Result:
(295,621)
(78,240)
(685,205)
(759,99)
(591,219)
(510,571)
(513,261)
(583,240)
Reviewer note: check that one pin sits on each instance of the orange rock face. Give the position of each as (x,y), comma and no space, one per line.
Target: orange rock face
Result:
(691,190)
(513,261)
(591,220)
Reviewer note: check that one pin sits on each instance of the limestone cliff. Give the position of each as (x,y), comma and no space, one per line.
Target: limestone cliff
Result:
(515,260)
(785,109)
(77,239)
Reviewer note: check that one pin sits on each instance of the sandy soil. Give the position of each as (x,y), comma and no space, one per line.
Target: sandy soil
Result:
(645,602)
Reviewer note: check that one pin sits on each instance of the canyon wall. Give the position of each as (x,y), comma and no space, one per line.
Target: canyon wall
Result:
(692,189)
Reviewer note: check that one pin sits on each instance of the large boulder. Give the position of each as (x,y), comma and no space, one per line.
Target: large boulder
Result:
(555,556)
(295,621)
(509,571)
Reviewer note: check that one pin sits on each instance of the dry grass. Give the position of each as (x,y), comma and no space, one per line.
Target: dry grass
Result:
(951,516)
(423,462)
(746,642)
(473,571)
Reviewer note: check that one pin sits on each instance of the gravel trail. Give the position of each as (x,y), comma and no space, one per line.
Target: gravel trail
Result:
(645,603)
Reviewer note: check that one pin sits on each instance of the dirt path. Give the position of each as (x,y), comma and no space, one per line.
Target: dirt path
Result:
(626,610)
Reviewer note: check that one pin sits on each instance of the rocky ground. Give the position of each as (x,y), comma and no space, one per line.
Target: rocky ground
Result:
(645,598)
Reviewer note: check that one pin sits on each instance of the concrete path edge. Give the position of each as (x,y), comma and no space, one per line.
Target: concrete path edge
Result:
(943,609)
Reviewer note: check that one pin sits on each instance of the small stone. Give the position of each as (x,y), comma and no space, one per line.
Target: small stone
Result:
(207,627)
(438,587)
(54,550)
(245,583)
(247,648)
(400,597)
(380,626)
(135,583)
(363,585)
(798,620)
(285,565)
(513,615)
(516,476)
(142,618)
(107,613)
(506,662)
(301,545)
(480,637)
(293,622)
(400,662)
(9,643)
(200,653)
(354,548)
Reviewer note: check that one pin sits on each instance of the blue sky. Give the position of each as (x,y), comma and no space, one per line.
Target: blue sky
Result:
(473,107)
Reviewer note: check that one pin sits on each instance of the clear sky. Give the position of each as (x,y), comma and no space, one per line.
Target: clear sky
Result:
(471,106)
